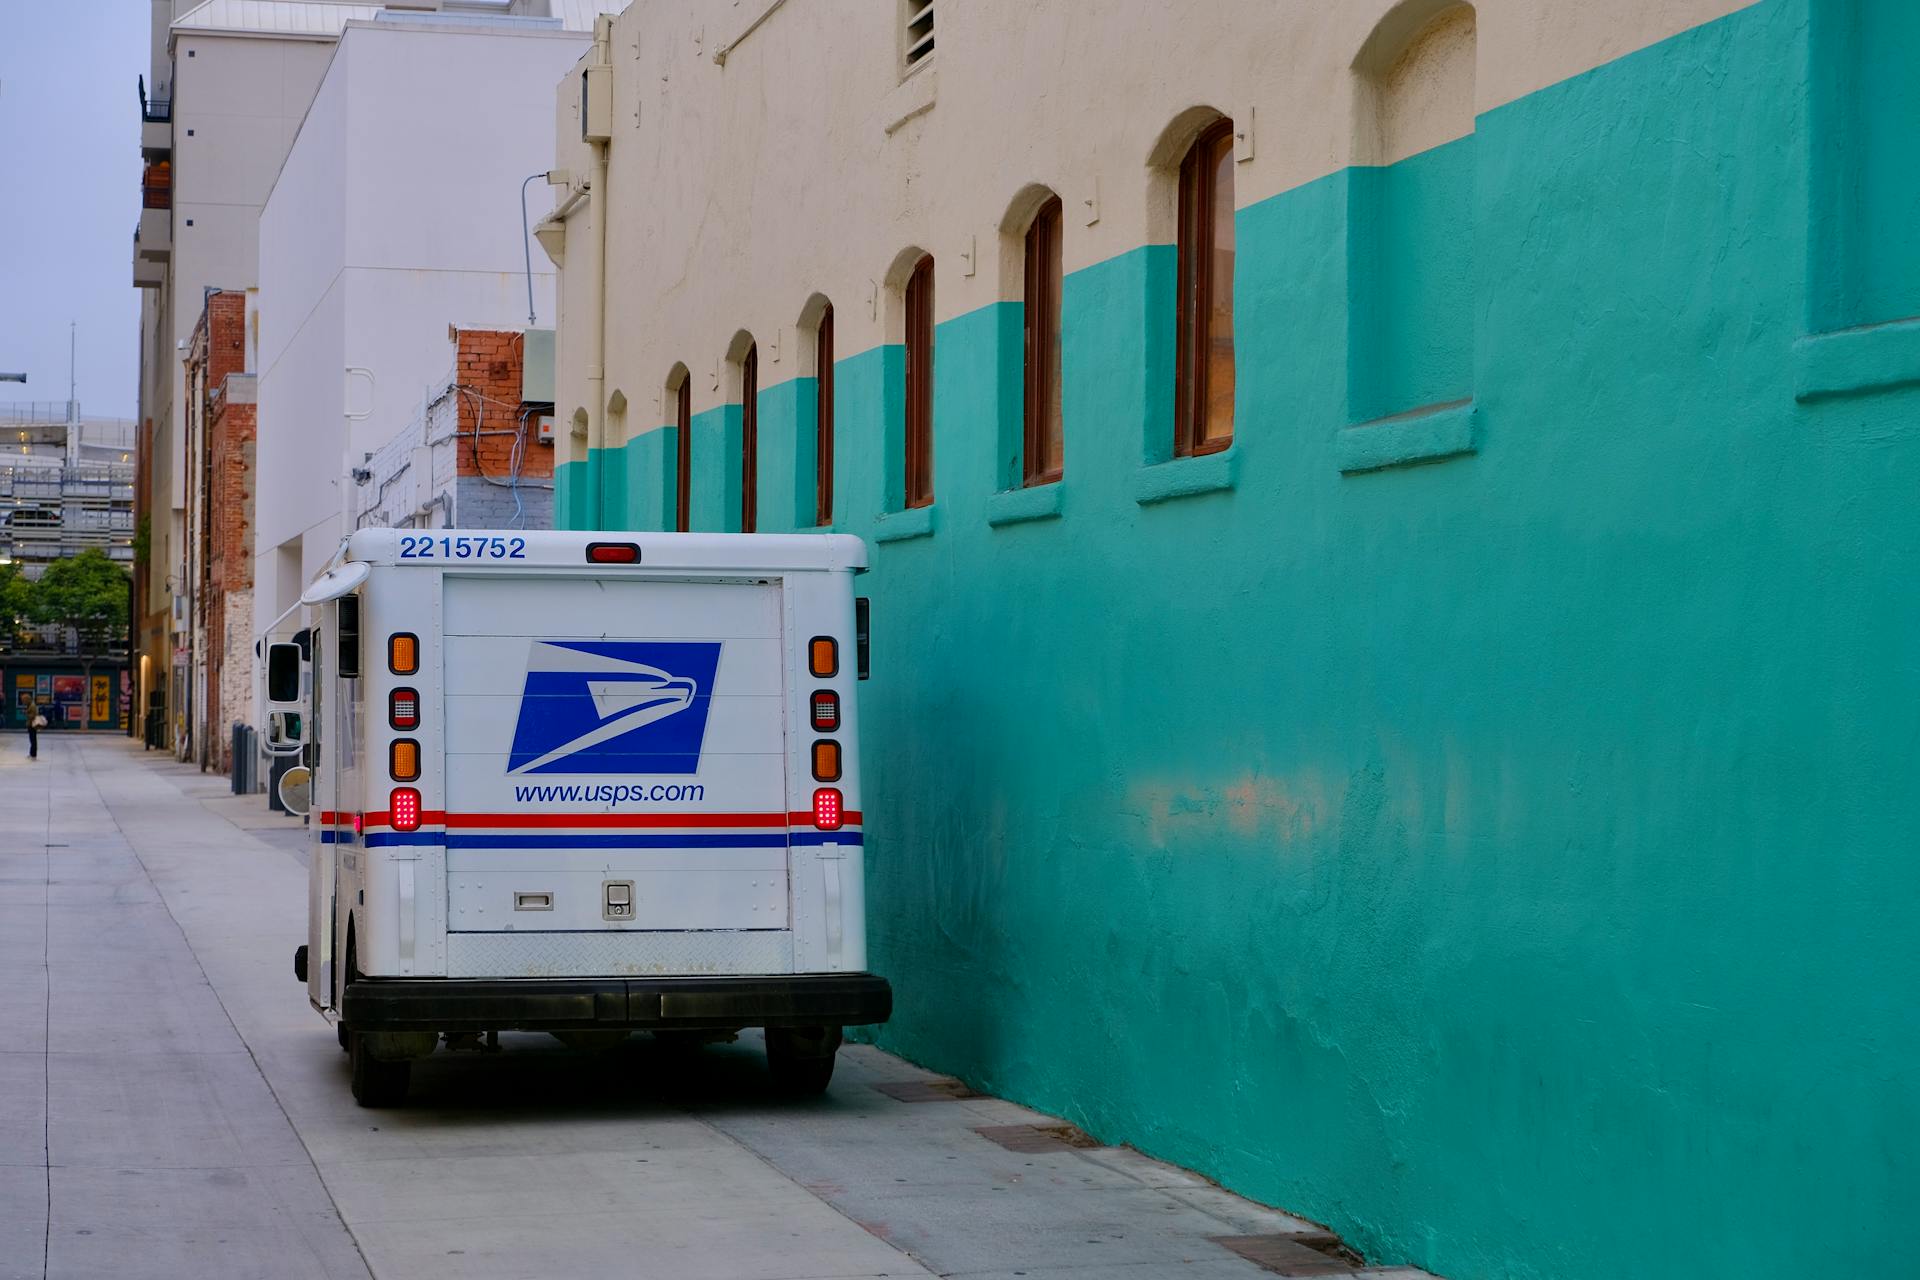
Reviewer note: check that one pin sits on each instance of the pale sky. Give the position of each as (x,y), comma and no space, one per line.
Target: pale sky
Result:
(70,196)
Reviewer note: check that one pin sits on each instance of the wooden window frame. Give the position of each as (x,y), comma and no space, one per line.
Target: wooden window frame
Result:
(1198,208)
(1044,423)
(823,420)
(750,439)
(918,454)
(683,456)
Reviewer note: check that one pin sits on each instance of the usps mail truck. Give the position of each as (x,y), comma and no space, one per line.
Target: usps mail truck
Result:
(580,783)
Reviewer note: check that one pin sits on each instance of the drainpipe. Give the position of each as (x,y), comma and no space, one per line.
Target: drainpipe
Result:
(596,127)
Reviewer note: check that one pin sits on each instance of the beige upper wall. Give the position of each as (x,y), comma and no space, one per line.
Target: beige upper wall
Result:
(806,163)
(237,104)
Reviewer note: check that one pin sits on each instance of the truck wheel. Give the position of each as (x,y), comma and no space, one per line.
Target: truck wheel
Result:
(801,1059)
(340,1034)
(376,1082)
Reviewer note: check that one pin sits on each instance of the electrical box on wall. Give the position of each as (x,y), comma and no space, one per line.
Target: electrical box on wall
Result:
(536,367)
(596,104)
(543,427)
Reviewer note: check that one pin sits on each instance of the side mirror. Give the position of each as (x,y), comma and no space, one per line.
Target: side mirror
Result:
(296,789)
(283,674)
(861,644)
(348,666)
(284,733)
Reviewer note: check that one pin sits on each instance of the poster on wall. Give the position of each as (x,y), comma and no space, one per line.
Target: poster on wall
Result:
(44,688)
(23,682)
(76,713)
(102,698)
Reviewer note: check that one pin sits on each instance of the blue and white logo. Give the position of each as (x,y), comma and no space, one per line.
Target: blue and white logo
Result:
(614,706)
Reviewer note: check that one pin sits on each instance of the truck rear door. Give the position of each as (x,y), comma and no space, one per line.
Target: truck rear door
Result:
(614,755)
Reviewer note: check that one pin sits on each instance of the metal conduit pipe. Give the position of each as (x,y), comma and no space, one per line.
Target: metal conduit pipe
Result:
(596,271)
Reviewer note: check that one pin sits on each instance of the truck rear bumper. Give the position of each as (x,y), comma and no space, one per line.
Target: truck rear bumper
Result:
(569,1004)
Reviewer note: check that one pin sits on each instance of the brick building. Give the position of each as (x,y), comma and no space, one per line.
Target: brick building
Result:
(476,455)
(219,519)
(504,470)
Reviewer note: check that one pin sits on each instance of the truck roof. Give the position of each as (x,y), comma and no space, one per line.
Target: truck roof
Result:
(523,549)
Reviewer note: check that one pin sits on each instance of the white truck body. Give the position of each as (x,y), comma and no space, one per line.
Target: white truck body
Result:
(619,816)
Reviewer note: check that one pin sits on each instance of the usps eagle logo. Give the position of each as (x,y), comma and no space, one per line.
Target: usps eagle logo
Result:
(614,706)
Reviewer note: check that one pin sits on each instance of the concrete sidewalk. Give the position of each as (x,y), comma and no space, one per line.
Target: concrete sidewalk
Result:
(178,1110)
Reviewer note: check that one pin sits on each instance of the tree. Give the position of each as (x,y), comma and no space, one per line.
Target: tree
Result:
(16,602)
(87,592)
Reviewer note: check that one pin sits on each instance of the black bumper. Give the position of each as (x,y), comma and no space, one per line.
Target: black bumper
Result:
(574,1004)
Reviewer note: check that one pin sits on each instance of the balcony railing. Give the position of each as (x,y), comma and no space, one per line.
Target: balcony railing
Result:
(156,188)
(155,110)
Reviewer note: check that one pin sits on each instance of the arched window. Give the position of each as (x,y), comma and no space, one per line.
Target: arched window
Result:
(750,438)
(919,417)
(1043,452)
(683,454)
(823,419)
(1410,213)
(614,512)
(575,509)
(1203,391)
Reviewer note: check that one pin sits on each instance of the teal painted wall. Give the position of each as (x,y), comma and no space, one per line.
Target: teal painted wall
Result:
(1510,861)
(1865,99)
(1410,268)
(566,496)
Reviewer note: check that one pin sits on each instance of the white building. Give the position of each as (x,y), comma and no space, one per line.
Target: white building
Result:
(228,83)
(395,216)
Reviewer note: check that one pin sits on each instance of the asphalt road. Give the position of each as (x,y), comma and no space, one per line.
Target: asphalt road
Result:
(171,1107)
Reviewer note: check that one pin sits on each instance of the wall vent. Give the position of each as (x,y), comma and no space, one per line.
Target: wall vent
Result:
(916,33)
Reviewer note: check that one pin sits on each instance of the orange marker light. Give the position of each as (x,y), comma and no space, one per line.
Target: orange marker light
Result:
(826,761)
(403,653)
(403,760)
(823,656)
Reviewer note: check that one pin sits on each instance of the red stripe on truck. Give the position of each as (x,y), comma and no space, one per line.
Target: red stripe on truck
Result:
(441,818)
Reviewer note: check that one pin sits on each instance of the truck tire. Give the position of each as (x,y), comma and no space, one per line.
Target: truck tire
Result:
(376,1082)
(800,1059)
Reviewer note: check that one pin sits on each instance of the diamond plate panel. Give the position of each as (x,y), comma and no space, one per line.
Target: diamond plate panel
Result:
(1033,1139)
(612,954)
(925,1090)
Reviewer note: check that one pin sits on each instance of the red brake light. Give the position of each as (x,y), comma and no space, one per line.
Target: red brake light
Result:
(403,709)
(826,808)
(405,806)
(826,711)
(613,553)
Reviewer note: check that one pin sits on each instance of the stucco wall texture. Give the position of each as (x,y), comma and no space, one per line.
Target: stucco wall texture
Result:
(1507,859)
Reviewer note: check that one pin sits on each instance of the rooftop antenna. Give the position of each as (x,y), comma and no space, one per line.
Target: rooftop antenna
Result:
(73,395)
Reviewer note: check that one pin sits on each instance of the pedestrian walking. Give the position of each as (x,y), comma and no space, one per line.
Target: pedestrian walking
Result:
(35,723)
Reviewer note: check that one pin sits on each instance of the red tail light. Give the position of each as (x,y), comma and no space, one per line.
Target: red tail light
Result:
(826,711)
(613,553)
(403,709)
(826,808)
(405,807)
